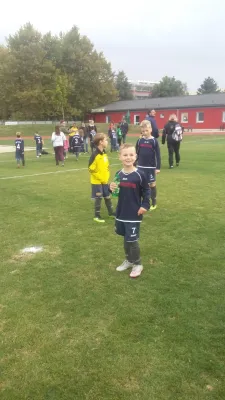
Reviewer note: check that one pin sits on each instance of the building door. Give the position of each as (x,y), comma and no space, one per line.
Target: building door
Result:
(108,119)
(136,119)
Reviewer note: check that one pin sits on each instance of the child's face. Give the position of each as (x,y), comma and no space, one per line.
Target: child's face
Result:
(128,156)
(104,142)
(146,132)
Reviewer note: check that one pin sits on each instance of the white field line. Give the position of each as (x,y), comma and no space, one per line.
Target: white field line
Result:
(49,173)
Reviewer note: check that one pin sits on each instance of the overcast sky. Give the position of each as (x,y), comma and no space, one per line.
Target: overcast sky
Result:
(148,40)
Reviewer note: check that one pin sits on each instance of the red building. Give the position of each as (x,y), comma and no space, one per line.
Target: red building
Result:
(198,112)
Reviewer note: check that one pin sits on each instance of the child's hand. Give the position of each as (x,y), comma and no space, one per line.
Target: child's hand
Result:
(157,171)
(113,186)
(142,211)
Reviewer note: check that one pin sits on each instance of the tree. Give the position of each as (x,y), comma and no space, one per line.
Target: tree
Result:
(169,87)
(123,86)
(208,86)
(52,76)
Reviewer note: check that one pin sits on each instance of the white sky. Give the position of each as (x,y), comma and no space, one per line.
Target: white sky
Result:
(148,40)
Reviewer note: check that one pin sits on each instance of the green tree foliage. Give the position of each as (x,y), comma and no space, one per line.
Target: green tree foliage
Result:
(169,87)
(45,76)
(123,86)
(208,86)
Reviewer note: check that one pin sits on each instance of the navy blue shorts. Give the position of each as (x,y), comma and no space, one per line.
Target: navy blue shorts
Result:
(99,191)
(130,230)
(149,174)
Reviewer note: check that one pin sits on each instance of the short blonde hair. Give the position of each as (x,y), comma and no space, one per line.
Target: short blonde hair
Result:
(126,146)
(146,124)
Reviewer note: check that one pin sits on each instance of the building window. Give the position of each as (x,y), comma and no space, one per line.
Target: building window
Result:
(200,117)
(136,119)
(184,118)
(223,117)
(161,115)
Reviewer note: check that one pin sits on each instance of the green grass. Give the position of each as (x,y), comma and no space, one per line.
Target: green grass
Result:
(74,328)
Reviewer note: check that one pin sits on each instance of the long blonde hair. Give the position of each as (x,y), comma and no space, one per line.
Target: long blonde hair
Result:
(173,117)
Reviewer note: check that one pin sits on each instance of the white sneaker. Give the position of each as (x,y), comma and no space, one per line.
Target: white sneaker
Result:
(125,265)
(136,271)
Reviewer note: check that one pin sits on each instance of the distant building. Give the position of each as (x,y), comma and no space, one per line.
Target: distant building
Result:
(141,89)
(205,111)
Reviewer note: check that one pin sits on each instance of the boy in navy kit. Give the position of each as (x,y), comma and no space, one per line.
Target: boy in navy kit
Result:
(133,202)
(19,143)
(148,158)
(76,144)
(38,140)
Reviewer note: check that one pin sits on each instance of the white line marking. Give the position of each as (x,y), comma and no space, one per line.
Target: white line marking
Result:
(49,173)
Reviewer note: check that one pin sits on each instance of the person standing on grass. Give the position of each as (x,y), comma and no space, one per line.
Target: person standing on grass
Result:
(119,135)
(91,127)
(99,172)
(113,137)
(76,145)
(19,143)
(148,158)
(151,118)
(58,139)
(124,129)
(133,202)
(85,136)
(38,141)
(92,135)
(65,147)
(173,133)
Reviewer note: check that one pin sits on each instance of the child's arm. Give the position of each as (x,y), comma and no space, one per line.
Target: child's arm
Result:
(157,155)
(22,146)
(145,194)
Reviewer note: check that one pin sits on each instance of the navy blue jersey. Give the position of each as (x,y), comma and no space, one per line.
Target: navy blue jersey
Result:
(38,139)
(76,140)
(19,143)
(134,193)
(148,153)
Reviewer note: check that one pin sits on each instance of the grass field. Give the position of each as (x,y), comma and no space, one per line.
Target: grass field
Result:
(71,326)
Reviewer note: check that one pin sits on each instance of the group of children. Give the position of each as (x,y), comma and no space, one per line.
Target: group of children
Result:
(135,186)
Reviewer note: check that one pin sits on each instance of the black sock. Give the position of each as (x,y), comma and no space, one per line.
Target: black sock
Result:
(133,251)
(108,203)
(97,206)
(153,195)
(126,249)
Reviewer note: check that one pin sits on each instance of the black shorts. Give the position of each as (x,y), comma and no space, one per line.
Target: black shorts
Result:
(130,230)
(99,191)
(149,174)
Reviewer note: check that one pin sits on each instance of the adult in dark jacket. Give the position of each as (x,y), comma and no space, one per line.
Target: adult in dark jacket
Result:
(172,145)
(151,118)
(91,127)
(124,129)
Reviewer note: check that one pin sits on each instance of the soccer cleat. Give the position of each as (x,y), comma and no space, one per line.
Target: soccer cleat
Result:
(136,271)
(112,215)
(125,265)
(99,219)
(177,164)
(171,166)
(152,208)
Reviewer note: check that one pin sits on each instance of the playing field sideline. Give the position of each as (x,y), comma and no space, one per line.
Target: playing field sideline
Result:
(74,328)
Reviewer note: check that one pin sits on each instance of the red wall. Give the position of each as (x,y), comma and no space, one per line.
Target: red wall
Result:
(212,117)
